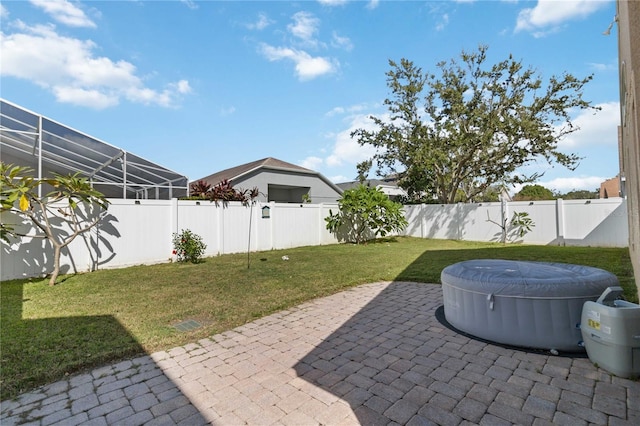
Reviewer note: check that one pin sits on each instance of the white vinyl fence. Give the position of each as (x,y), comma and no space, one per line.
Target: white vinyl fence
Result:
(601,222)
(140,232)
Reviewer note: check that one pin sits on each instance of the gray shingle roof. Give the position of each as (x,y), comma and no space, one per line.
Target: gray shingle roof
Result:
(267,163)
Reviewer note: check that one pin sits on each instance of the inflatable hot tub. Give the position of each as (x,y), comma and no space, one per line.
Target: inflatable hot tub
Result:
(527,304)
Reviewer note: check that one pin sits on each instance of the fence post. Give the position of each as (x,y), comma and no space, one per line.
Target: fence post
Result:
(423,220)
(320,222)
(504,217)
(560,222)
(173,219)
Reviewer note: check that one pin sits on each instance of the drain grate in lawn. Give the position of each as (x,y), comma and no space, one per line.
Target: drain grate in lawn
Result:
(187,325)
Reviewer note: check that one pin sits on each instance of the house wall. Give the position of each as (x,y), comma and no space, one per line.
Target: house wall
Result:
(140,232)
(319,190)
(610,188)
(629,57)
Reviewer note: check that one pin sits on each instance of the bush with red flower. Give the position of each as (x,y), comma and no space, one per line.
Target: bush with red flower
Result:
(188,247)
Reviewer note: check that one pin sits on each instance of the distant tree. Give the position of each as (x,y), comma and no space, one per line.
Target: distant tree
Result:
(364,210)
(582,194)
(58,215)
(490,194)
(476,125)
(534,192)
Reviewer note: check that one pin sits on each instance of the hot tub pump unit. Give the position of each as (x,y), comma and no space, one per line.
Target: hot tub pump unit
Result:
(610,328)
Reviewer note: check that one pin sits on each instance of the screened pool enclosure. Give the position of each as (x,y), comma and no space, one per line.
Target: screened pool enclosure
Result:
(45,146)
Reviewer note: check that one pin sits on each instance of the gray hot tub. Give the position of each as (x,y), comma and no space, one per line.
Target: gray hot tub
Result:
(519,303)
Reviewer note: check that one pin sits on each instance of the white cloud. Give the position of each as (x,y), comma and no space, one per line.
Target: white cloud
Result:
(333,2)
(340,179)
(613,66)
(335,111)
(65,12)
(547,15)
(353,109)
(346,149)
(341,42)
(227,111)
(305,26)
(577,183)
(262,23)
(311,163)
(4,13)
(307,67)
(191,4)
(69,68)
(85,97)
(444,21)
(596,128)
(373,4)
(181,86)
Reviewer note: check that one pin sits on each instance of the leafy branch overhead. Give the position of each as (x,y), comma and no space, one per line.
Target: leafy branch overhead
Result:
(72,202)
(473,126)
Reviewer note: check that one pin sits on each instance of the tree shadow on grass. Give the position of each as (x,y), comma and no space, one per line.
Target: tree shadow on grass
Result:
(33,350)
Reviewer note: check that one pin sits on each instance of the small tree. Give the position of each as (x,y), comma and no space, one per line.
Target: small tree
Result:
(19,194)
(364,210)
(519,226)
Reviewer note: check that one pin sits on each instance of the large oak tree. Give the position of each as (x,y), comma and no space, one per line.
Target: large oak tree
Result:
(475,125)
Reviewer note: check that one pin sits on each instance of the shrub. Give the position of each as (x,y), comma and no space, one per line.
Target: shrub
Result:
(188,246)
(365,211)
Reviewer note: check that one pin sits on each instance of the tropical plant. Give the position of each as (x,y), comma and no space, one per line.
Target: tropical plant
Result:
(188,247)
(222,192)
(519,226)
(476,125)
(199,189)
(72,208)
(365,211)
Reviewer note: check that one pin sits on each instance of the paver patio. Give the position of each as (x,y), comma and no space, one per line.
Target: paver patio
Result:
(374,354)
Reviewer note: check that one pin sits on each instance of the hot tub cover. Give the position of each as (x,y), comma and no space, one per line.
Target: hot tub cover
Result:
(522,303)
(517,278)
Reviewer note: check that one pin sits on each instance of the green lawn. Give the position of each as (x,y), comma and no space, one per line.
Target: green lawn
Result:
(108,315)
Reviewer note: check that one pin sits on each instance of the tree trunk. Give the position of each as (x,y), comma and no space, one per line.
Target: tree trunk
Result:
(56,264)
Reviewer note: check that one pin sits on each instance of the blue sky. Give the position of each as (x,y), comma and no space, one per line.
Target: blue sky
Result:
(199,87)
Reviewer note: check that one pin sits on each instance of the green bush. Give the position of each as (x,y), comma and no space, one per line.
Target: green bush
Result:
(188,246)
(365,212)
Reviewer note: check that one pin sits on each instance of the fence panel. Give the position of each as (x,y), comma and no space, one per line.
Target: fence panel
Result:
(596,222)
(140,232)
(295,225)
(543,214)
(134,234)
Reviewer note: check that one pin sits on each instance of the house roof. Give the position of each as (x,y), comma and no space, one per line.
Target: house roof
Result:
(241,170)
(269,163)
(33,140)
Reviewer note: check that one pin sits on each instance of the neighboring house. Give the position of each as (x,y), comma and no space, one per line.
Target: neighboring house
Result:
(610,188)
(388,186)
(278,181)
